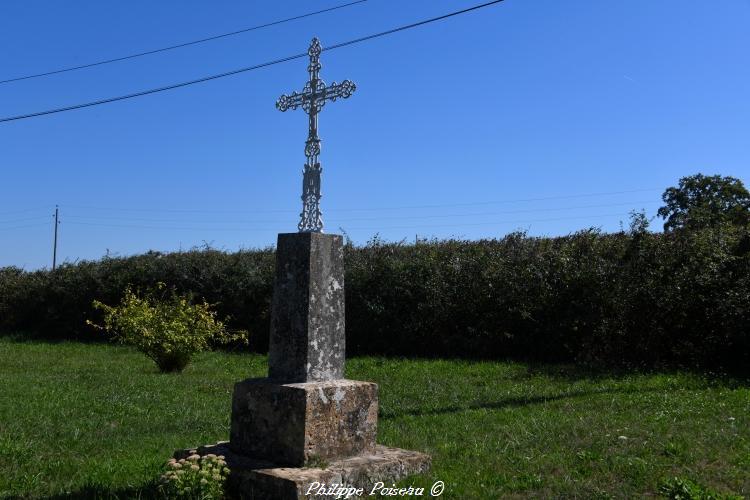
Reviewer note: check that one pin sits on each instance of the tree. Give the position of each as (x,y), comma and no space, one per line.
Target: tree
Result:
(705,201)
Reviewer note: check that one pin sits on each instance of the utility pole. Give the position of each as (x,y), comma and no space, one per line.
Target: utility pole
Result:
(54,250)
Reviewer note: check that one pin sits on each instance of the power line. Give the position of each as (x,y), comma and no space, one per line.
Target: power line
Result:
(518,200)
(242,70)
(186,44)
(151,91)
(178,210)
(379,228)
(406,207)
(89,218)
(141,219)
(22,220)
(502,212)
(23,211)
(486,223)
(187,228)
(368,209)
(24,226)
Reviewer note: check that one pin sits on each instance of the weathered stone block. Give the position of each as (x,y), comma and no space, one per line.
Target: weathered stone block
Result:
(253,479)
(290,424)
(307,318)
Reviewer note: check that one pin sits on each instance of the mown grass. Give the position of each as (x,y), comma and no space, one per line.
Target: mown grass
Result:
(81,421)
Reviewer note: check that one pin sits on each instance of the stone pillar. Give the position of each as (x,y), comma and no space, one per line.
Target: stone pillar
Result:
(305,410)
(305,423)
(307,317)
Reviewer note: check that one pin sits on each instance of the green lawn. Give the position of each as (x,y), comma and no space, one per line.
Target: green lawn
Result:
(82,421)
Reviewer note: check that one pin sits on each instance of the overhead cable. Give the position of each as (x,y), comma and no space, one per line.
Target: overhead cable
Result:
(20,227)
(186,44)
(242,70)
(406,207)
(89,218)
(380,228)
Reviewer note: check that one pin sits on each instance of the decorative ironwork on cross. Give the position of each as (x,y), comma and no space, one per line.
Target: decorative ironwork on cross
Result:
(312,99)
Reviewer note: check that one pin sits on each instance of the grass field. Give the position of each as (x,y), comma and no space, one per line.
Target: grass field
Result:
(81,421)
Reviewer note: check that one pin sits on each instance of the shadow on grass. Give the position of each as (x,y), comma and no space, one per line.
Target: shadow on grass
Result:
(28,337)
(569,372)
(513,402)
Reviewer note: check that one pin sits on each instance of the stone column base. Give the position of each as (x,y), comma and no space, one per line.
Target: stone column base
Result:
(254,479)
(294,424)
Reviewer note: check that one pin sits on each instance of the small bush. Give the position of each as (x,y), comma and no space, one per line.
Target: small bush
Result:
(167,330)
(196,477)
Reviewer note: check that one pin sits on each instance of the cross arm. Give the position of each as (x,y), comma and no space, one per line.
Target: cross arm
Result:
(293,101)
(340,90)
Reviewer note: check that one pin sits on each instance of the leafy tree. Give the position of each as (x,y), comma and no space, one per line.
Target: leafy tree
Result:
(705,201)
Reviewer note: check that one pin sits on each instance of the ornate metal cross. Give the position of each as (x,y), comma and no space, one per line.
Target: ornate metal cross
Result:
(312,99)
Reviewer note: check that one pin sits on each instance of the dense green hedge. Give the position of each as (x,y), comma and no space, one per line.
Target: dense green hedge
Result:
(635,298)
(55,305)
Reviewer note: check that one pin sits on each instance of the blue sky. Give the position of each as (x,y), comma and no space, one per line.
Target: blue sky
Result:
(540,115)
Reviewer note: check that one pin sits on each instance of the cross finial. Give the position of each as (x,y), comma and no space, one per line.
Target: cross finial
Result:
(312,99)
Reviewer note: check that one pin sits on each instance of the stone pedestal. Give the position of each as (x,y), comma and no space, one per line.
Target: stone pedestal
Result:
(253,479)
(305,423)
(293,424)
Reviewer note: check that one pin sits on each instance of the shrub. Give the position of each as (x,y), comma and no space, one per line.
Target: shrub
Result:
(195,477)
(167,330)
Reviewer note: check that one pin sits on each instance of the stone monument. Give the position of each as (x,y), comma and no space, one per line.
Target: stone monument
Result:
(305,427)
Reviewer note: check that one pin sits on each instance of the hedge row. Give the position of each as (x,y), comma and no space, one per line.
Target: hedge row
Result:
(635,298)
